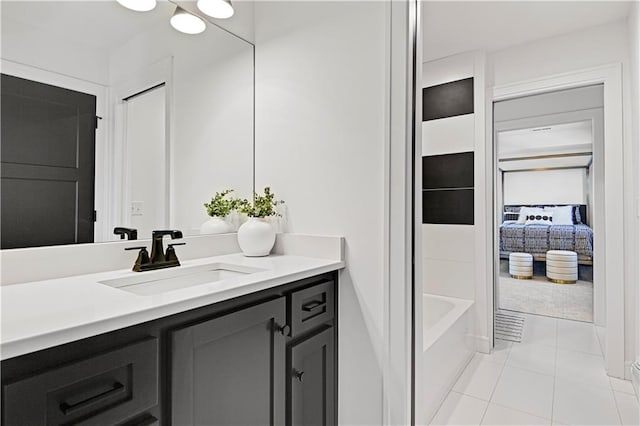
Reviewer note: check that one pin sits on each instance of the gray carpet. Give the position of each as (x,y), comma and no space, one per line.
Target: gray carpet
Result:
(541,297)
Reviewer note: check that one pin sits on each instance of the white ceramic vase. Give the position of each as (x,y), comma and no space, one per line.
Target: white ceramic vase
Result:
(256,237)
(215,225)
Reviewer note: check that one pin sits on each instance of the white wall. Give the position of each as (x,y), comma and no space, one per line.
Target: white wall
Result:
(320,140)
(592,47)
(447,250)
(588,48)
(545,187)
(210,100)
(456,259)
(38,48)
(577,50)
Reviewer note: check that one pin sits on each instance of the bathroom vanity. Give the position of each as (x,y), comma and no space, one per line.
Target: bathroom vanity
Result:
(258,349)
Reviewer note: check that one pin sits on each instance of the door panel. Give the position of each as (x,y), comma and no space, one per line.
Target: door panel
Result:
(230,370)
(312,381)
(48,163)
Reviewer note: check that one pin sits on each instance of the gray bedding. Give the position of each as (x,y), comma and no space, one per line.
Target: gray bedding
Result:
(538,239)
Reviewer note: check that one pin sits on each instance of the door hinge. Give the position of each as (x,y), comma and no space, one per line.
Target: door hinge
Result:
(95,216)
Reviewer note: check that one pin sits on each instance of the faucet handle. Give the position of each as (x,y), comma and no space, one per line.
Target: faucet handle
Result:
(171,253)
(143,257)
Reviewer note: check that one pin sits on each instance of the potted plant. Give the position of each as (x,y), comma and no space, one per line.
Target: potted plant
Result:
(256,236)
(218,208)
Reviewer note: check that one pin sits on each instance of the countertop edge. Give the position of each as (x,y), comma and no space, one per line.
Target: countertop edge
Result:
(15,348)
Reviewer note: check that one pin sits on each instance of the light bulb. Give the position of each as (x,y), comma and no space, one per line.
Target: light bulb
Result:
(138,5)
(220,9)
(187,23)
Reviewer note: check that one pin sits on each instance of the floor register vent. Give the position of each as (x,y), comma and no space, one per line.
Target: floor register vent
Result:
(508,326)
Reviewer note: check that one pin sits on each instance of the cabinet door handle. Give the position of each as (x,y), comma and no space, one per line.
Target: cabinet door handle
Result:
(70,408)
(311,306)
(298,374)
(285,330)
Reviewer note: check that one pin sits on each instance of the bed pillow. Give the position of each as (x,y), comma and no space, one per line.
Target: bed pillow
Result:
(511,216)
(543,218)
(577,219)
(528,211)
(562,215)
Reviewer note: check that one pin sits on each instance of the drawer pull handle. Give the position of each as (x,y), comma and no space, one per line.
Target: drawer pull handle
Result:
(298,375)
(312,306)
(67,408)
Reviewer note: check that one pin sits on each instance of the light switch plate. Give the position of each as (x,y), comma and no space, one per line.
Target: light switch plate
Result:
(137,208)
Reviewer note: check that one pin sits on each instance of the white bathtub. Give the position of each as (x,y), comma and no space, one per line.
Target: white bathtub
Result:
(447,347)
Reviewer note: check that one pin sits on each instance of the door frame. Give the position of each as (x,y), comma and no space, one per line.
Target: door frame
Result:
(138,81)
(101,170)
(595,217)
(614,175)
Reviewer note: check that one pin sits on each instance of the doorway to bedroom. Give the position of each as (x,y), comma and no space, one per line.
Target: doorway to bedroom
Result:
(549,184)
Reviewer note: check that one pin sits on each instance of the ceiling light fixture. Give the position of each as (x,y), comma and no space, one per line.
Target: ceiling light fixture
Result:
(187,23)
(138,5)
(220,9)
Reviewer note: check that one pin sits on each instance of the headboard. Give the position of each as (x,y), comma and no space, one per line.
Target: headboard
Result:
(582,208)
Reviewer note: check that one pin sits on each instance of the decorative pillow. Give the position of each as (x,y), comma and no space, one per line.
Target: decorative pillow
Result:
(577,219)
(528,211)
(511,216)
(544,218)
(562,215)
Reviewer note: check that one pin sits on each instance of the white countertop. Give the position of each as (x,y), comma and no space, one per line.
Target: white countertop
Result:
(42,314)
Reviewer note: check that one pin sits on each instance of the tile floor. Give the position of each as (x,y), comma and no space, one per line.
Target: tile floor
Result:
(555,376)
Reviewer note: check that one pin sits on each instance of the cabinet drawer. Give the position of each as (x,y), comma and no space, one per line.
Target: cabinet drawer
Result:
(103,389)
(310,307)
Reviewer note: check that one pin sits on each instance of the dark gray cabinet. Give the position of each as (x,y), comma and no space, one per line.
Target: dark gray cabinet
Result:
(266,358)
(312,380)
(230,370)
(102,389)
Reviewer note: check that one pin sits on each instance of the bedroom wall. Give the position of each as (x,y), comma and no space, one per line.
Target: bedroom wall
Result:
(545,187)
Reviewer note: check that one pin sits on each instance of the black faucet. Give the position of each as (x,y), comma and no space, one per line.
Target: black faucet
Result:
(129,233)
(158,259)
(157,249)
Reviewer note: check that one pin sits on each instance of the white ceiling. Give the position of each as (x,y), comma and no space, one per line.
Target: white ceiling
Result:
(451,27)
(104,25)
(560,145)
(101,24)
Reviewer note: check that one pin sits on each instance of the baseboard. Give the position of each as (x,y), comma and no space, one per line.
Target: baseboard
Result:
(635,377)
(483,344)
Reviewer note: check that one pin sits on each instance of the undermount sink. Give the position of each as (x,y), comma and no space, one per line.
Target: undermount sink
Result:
(162,281)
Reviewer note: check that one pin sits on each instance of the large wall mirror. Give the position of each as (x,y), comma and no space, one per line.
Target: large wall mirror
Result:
(112,118)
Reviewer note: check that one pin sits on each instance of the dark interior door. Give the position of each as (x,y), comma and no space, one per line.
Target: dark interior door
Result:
(48,164)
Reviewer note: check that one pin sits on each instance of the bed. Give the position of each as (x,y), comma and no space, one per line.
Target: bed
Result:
(537,239)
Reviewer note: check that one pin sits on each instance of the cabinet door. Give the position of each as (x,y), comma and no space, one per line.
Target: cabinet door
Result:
(312,381)
(230,370)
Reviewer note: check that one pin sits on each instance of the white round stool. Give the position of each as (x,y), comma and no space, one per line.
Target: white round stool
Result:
(562,266)
(521,266)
